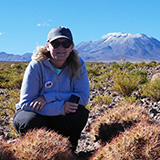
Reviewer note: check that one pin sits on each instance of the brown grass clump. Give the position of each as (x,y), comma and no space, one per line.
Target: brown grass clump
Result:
(38,145)
(116,120)
(5,153)
(141,142)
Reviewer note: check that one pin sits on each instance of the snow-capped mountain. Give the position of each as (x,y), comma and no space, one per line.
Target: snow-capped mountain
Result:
(113,46)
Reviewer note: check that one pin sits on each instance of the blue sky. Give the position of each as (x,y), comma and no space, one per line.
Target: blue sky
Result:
(25,23)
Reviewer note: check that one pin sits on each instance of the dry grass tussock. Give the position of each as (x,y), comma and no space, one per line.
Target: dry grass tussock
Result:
(116,120)
(37,144)
(141,142)
(126,132)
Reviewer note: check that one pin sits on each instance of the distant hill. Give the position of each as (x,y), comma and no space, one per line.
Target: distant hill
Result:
(11,57)
(111,47)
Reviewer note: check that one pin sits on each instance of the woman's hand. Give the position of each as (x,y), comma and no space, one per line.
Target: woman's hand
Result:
(38,103)
(70,107)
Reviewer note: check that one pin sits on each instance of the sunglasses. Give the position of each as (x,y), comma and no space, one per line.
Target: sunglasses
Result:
(65,44)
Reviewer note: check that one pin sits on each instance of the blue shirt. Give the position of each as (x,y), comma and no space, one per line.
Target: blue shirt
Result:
(57,70)
(41,78)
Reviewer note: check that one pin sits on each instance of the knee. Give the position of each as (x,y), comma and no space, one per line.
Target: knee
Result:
(82,114)
(78,120)
(24,121)
(20,122)
(20,126)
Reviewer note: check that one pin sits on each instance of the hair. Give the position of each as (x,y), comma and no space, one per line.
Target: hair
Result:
(73,61)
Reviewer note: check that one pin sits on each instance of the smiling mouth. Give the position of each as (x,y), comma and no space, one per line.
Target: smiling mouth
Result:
(60,53)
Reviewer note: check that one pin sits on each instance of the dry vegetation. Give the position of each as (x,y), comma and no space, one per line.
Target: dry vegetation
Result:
(123,132)
(37,144)
(141,142)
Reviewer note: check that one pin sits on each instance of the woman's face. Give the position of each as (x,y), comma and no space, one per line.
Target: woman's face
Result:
(60,49)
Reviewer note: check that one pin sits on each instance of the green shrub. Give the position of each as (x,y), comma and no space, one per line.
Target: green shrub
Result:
(9,100)
(99,82)
(152,64)
(142,74)
(96,85)
(89,107)
(125,82)
(100,99)
(141,64)
(11,76)
(130,100)
(151,90)
(92,72)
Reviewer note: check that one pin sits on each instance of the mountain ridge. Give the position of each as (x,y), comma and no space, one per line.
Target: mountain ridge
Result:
(110,47)
(12,57)
(132,47)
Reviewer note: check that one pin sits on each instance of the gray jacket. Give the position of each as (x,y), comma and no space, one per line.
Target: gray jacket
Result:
(40,78)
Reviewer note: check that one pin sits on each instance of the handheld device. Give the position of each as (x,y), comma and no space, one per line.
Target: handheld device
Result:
(74,99)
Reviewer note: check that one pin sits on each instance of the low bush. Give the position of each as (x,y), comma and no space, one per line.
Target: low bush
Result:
(139,142)
(103,99)
(94,69)
(115,120)
(125,82)
(129,100)
(38,144)
(11,76)
(9,100)
(151,90)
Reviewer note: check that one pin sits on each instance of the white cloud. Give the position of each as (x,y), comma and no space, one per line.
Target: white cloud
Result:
(43,24)
(38,25)
(0,33)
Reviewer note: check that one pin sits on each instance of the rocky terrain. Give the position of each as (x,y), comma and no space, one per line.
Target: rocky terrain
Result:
(86,146)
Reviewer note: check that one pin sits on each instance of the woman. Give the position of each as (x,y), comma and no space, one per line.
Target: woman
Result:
(54,74)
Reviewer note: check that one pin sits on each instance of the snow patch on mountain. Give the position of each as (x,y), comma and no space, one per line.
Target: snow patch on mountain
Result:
(132,47)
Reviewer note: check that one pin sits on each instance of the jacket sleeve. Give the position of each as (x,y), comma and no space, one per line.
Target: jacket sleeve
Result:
(53,96)
(30,90)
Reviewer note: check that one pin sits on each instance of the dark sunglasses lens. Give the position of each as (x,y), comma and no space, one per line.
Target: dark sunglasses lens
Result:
(65,44)
(56,44)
